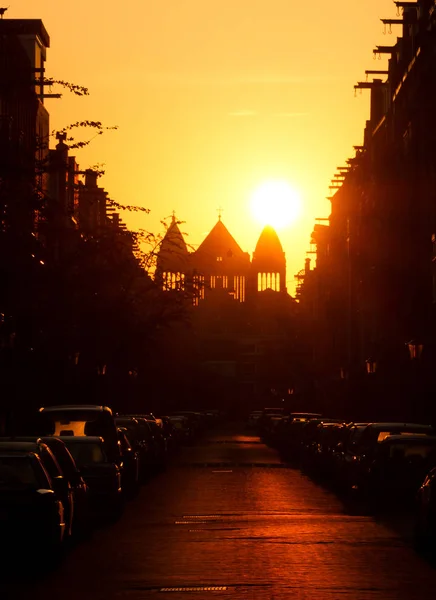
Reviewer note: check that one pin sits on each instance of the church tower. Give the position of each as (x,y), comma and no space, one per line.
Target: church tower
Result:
(172,260)
(268,266)
(220,266)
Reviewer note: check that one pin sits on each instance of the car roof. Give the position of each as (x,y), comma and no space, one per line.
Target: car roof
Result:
(90,407)
(399,426)
(81,439)
(36,439)
(422,439)
(146,416)
(305,414)
(20,454)
(21,446)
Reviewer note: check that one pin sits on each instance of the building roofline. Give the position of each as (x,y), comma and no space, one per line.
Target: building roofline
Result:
(25,27)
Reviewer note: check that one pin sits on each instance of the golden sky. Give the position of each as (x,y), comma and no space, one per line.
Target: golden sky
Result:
(212,98)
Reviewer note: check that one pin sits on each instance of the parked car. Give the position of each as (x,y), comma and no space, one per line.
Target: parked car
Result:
(266,415)
(304,416)
(253,418)
(139,435)
(344,453)
(102,475)
(182,429)
(130,474)
(195,419)
(398,467)
(309,439)
(82,420)
(59,483)
(363,453)
(289,434)
(425,513)
(31,510)
(79,489)
(156,439)
(169,433)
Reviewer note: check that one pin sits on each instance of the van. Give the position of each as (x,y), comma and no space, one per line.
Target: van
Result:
(82,420)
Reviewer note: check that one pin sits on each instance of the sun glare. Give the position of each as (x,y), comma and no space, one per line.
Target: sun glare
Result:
(275,203)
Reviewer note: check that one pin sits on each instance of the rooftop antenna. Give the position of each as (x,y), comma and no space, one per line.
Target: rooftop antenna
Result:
(220,211)
(2,11)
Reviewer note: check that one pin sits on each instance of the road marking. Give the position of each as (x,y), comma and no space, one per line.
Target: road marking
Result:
(202,516)
(188,522)
(221,588)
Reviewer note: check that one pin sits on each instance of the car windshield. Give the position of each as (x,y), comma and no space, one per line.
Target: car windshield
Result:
(85,453)
(399,450)
(384,434)
(17,472)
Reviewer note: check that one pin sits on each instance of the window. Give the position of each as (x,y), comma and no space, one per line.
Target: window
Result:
(219,259)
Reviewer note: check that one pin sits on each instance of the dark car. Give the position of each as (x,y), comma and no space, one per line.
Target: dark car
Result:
(130,476)
(310,435)
(182,429)
(139,436)
(253,418)
(59,483)
(425,513)
(169,433)
(31,511)
(364,451)
(82,420)
(102,476)
(196,420)
(157,440)
(79,488)
(399,466)
(344,453)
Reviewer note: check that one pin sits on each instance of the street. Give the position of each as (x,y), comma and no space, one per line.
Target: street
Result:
(229,520)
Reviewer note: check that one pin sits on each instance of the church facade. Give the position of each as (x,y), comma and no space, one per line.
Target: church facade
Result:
(241,320)
(220,266)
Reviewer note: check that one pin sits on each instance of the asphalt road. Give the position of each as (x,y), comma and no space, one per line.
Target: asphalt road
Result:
(229,520)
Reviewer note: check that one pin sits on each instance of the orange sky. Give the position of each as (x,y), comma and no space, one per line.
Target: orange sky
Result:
(213,97)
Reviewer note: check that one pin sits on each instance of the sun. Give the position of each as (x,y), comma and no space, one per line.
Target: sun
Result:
(275,203)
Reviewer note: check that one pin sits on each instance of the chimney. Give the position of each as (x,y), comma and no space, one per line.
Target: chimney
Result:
(307,265)
(90,178)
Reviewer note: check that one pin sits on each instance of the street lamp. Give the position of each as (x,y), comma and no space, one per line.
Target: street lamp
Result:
(415,349)
(371,366)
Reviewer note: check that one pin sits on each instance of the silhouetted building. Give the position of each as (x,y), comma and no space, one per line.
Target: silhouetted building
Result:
(220,266)
(242,317)
(173,259)
(372,291)
(24,123)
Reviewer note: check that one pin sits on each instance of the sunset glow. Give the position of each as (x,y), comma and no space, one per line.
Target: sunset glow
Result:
(275,203)
(217,97)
